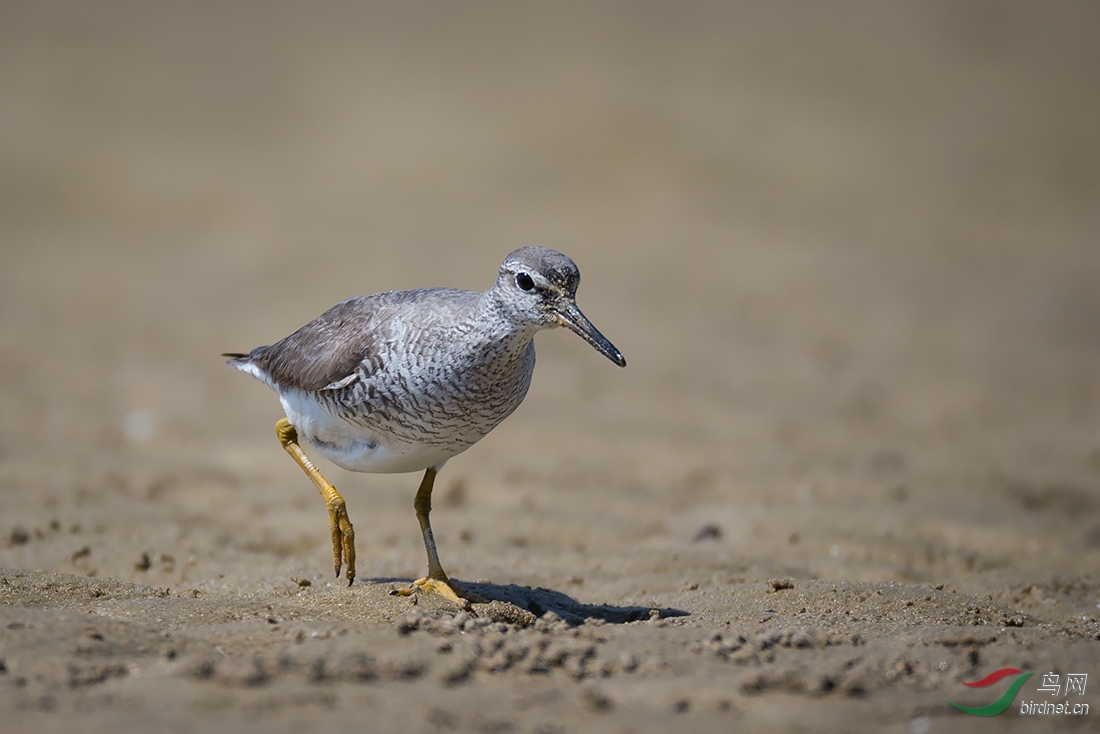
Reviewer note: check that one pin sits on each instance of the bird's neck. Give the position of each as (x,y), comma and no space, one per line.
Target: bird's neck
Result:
(502,326)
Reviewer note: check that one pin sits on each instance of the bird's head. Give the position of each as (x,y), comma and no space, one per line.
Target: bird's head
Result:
(538,286)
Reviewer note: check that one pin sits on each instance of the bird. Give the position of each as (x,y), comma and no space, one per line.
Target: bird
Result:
(403,381)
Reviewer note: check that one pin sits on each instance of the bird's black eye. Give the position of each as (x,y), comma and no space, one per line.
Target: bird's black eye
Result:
(523,280)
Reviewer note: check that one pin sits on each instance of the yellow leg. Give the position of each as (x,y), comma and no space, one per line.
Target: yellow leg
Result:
(343,534)
(436,580)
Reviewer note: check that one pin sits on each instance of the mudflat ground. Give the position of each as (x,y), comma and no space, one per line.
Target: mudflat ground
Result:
(849,252)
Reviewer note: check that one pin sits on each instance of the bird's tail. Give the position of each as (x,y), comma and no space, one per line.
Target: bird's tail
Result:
(239,359)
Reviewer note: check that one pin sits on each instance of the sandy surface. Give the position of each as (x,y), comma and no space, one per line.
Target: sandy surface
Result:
(850,254)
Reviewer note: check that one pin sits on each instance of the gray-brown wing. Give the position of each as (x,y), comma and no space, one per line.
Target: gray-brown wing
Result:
(327,350)
(350,339)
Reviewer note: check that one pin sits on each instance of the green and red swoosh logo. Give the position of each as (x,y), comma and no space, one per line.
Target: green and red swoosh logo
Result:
(1006,698)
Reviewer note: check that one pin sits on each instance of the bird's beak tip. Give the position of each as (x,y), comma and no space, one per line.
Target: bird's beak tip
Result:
(571,317)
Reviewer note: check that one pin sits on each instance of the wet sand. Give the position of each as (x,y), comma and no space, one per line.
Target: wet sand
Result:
(849,254)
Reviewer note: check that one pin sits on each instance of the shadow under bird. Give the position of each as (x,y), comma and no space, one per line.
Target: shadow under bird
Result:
(403,381)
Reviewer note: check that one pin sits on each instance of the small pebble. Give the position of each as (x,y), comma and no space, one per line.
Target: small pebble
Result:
(710,531)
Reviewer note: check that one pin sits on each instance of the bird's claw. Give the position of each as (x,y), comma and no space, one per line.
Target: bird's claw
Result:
(444,587)
(343,539)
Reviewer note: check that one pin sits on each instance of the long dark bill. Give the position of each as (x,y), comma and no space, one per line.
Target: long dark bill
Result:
(578,323)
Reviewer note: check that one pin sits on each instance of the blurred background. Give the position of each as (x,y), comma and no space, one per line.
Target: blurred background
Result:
(849,250)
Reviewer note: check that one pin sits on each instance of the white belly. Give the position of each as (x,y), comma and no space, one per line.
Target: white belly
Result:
(353,447)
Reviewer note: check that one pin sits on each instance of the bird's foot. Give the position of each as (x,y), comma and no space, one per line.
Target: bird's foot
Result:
(343,537)
(444,587)
(343,534)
